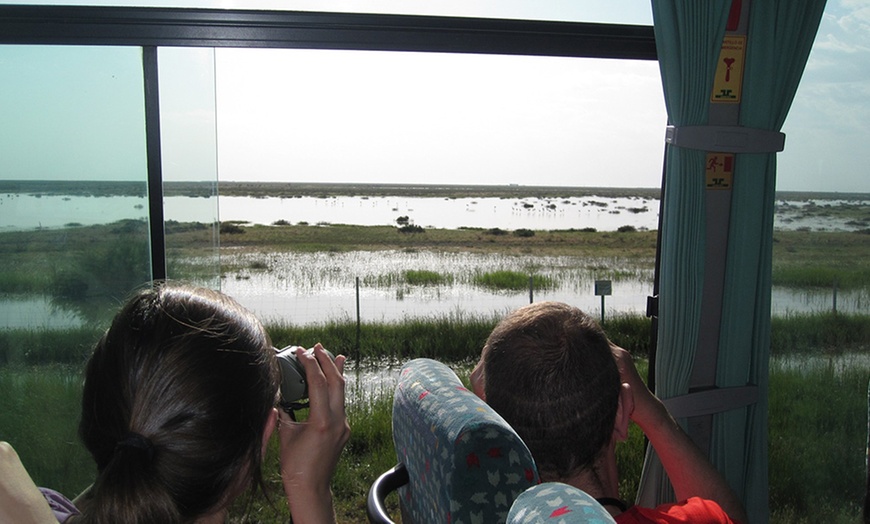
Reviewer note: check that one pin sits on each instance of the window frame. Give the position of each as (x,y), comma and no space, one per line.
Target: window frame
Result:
(150,28)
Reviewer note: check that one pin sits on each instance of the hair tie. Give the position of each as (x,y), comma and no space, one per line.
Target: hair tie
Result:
(136,441)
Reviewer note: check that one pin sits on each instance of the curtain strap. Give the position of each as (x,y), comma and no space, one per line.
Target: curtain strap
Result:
(726,139)
(711,401)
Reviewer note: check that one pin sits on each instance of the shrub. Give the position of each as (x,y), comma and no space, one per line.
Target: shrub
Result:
(495,231)
(403,220)
(626,229)
(281,222)
(229,228)
(524,233)
(411,228)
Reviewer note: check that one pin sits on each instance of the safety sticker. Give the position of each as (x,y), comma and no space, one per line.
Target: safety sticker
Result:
(728,82)
(720,170)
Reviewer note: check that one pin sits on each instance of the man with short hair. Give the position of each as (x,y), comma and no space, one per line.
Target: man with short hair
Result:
(550,371)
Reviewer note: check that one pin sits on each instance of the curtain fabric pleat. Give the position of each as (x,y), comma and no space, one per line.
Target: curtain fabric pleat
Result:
(780,37)
(688,36)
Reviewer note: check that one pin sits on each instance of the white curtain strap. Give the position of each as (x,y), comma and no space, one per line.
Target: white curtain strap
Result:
(726,139)
(710,401)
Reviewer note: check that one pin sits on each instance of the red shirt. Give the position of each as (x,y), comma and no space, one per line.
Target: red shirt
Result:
(692,511)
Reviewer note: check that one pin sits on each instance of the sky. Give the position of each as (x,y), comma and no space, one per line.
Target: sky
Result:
(335,116)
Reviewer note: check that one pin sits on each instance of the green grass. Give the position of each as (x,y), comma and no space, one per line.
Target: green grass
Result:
(455,337)
(821,277)
(422,277)
(817,420)
(800,333)
(816,452)
(818,438)
(506,280)
(41,408)
(36,346)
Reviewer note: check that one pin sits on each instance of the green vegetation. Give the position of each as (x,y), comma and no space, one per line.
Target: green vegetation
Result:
(512,280)
(806,333)
(47,346)
(806,259)
(816,453)
(422,277)
(411,228)
(818,438)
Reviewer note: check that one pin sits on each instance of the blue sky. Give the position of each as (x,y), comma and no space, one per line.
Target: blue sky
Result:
(406,117)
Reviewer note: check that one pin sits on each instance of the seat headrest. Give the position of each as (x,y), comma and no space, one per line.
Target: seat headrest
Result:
(557,503)
(465,463)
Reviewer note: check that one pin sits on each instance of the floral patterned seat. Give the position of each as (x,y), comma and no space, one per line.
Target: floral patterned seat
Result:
(464,464)
(557,503)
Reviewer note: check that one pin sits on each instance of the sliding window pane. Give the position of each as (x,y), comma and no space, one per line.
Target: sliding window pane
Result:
(73,236)
(189,151)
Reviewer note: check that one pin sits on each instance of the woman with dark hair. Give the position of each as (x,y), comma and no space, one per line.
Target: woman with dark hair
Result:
(177,409)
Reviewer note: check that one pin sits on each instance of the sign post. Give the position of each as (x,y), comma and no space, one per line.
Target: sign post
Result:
(602,289)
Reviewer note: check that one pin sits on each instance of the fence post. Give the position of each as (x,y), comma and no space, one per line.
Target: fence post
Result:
(357,322)
(835,295)
(531,289)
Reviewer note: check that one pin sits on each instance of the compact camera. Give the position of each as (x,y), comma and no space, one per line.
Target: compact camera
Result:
(294,387)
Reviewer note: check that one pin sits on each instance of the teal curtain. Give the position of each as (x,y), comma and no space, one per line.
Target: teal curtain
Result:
(779,39)
(688,37)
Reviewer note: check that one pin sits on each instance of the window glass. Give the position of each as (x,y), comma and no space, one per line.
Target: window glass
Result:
(295,117)
(73,236)
(188,137)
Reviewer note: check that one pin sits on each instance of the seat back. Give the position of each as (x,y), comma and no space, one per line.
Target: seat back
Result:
(465,464)
(557,503)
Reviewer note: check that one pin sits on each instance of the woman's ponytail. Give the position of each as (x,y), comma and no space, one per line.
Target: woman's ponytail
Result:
(128,490)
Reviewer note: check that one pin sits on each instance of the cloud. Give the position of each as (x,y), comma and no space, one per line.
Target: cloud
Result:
(845,27)
(832,43)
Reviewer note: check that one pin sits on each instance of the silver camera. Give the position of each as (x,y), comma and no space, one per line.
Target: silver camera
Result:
(294,387)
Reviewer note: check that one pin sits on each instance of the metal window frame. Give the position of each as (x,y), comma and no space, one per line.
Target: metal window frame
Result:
(150,28)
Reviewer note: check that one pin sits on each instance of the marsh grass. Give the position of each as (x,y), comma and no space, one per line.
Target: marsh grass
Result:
(41,409)
(506,280)
(423,277)
(816,452)
(821,277)
(818,438)
(832,333)
(34,346)
(454,337)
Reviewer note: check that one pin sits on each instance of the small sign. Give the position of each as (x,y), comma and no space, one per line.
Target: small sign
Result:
(719,170)
(603,287)
(728,82)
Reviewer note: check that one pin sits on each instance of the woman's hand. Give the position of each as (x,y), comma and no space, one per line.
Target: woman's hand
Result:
(310,449)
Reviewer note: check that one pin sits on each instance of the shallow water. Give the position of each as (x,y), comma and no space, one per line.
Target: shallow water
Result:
(21,211)
(310,287)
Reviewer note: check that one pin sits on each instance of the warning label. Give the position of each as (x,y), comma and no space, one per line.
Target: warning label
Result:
(720,170)
(728,81)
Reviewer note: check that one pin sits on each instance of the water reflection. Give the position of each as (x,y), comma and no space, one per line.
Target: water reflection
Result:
(307,288)
(34,313)
(23,211)
(304,288)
